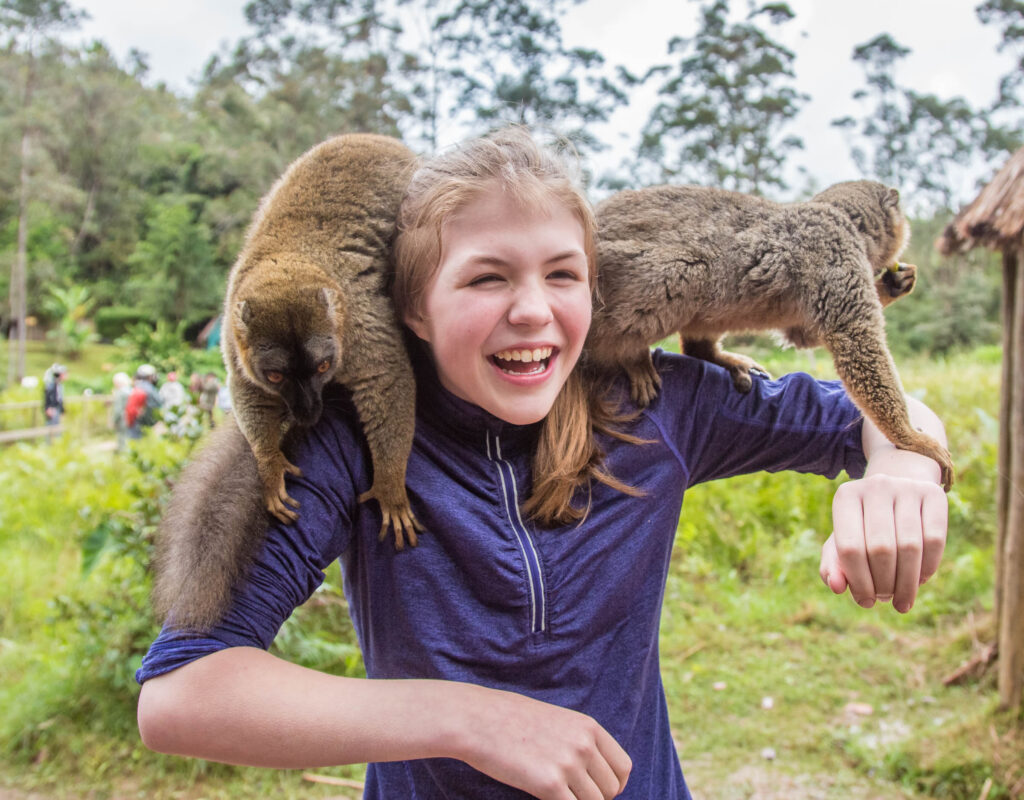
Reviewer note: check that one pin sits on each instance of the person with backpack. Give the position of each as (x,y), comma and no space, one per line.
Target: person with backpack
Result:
(144,400)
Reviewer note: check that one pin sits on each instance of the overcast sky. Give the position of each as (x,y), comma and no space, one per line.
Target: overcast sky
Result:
(952,52)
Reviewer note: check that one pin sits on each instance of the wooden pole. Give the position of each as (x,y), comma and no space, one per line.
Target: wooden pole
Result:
(1011,623)
(1003,466)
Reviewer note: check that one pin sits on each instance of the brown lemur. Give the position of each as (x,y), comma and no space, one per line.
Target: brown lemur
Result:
(308,303)
(703,262)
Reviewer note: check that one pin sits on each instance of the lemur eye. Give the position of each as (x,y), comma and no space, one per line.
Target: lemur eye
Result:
(323,366)
(275,377)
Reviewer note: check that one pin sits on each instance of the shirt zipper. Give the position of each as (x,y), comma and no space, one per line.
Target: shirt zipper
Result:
(534,573)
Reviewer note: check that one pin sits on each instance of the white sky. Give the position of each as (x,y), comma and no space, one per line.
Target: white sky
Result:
(952,52)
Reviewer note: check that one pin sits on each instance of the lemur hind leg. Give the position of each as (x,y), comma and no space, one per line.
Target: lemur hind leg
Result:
(644,381)
(740,366)
(384,396)
(866,368)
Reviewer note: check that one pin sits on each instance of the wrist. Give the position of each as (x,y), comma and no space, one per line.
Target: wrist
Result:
(889,460)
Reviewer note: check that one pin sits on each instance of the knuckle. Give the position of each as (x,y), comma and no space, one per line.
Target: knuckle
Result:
(911,547)
(882,548)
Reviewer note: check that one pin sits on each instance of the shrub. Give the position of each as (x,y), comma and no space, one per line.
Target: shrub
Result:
(112,322)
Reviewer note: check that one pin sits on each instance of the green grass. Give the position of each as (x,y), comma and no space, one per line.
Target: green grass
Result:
(744,607)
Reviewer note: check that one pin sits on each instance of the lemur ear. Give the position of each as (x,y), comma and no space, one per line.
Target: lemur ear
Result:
(243,313)
(329,298)
(892,199)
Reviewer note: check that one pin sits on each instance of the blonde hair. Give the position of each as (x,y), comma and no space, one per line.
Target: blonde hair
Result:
(568,457)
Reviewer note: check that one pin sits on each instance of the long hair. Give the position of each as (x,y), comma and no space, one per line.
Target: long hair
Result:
(568,457)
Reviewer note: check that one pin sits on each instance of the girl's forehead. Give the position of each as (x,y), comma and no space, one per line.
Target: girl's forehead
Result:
(499,207)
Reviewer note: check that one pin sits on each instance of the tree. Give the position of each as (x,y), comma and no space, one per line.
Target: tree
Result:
(906,139)
(885,124)
(1004,120)
(725,104)
(70,305)
(174,275)
(314,68)
(494,62)
(1008,15)
(24,23)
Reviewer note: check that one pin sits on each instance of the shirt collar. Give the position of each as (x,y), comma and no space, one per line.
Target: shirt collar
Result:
(459,419)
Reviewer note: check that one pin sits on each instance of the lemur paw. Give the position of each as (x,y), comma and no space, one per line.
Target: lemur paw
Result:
(898,282)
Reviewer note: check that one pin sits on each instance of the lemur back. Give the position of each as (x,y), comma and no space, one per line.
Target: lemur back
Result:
(704,262)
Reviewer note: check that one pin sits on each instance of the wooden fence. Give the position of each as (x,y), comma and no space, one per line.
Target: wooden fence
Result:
(84,416)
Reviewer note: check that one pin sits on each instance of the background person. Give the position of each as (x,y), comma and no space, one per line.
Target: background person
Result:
(53,394)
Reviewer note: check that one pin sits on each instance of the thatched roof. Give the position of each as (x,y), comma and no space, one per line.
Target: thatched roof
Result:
(996,217)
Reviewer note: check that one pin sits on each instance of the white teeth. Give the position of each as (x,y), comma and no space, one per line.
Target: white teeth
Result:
(538,354)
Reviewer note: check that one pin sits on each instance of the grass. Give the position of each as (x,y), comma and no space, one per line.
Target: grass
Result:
(857,710)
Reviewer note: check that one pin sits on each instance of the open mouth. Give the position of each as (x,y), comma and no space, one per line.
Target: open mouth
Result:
(523,362)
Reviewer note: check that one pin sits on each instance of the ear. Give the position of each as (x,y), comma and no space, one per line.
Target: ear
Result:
(418,325)
(892,199)
(243,315)
(330,299)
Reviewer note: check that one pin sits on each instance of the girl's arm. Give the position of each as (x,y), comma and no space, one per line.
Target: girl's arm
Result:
(245,706)
(889,527)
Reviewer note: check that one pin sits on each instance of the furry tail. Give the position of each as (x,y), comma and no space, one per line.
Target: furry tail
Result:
(210,532)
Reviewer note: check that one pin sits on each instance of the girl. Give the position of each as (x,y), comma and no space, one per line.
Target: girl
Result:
(516,648)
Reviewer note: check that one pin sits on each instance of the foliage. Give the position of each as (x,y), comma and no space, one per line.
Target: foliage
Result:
(955,303)
(916,140)
(1008,15)
(70,305)
(743,606)
(174,262)
(113,322)
(163,345)
(725,105)
(506,62)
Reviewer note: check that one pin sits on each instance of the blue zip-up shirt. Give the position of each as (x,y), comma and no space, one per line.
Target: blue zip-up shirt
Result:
(567,615)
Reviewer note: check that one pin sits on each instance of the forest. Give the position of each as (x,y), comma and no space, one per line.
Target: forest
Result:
(122,201)
(123,205)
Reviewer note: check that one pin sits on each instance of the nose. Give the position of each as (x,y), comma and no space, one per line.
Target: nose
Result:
(530,306)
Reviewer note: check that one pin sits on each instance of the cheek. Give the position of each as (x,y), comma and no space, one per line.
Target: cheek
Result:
(576,315)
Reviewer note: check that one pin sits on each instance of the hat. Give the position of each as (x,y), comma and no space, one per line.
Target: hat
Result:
(146,371)
(58,369)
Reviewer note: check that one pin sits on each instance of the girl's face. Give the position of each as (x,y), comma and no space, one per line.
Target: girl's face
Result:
(508,308)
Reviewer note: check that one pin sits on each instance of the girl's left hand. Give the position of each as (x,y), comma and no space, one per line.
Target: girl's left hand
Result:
(888,536)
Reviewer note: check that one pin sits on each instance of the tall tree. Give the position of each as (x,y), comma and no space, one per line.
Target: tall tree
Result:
(492,62)
(726,103)
(174,277)
(885,124)
(26,26)
(1008,16)
(314,68)
(1004,130)
(916,142)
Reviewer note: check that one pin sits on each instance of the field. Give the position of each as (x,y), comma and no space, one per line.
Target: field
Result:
(776,688)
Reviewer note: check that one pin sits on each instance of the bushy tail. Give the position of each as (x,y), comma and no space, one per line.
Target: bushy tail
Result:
(214,524)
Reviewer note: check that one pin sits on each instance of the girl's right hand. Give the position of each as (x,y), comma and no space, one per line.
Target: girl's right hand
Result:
(550,752)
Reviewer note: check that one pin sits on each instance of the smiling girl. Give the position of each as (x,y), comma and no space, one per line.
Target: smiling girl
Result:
(515,650)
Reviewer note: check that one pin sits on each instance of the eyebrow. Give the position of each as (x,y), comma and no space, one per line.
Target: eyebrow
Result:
(483,259)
